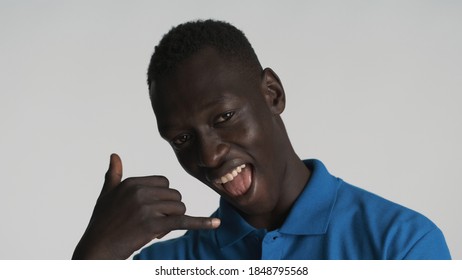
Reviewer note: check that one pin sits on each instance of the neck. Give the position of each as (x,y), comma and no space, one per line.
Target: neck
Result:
(296,176)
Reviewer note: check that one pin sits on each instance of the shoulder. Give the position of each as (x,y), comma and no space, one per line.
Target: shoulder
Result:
(396,231)
(194,244)
(352,200)
(164,250)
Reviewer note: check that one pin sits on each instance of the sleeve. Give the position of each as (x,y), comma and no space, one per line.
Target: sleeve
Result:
(431,246)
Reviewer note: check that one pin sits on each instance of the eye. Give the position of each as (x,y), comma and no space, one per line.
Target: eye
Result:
(224,117)
(181,139)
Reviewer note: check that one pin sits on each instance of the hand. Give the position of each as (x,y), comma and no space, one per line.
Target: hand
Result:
(131,213)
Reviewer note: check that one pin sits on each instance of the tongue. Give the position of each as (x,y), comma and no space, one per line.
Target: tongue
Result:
(240,184)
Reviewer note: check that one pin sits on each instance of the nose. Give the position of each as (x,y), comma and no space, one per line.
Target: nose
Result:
(212,150)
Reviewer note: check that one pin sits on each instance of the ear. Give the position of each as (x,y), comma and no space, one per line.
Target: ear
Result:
(273,91)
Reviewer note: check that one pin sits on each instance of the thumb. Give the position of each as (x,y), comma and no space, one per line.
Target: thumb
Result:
(113,174)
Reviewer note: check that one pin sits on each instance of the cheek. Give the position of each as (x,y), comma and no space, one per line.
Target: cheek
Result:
(185,158)
(250,130)
(188,160)
(243,133)
(258,134)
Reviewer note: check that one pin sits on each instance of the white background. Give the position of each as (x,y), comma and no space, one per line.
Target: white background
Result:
(374,90)
(179,270)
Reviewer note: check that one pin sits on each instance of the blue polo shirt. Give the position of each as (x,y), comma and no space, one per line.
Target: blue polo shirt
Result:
(330,219)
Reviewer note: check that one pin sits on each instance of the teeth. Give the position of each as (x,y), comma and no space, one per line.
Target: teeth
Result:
(228,177)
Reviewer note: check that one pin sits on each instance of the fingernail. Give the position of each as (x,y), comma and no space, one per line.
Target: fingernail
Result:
(216,222)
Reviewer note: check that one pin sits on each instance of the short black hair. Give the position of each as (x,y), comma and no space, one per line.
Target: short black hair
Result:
(184,40)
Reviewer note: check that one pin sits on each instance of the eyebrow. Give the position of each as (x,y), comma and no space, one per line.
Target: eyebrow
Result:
(219,99)
(222,98)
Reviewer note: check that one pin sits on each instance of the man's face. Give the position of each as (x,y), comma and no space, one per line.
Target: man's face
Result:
(224,129)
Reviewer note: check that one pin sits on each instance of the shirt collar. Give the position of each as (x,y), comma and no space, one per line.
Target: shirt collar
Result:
(312,210)
(233,227)
(309,215)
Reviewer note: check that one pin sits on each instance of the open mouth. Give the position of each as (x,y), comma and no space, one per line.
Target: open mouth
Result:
(238,181)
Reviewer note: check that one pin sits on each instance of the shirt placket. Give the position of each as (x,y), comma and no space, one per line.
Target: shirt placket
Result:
(272,246)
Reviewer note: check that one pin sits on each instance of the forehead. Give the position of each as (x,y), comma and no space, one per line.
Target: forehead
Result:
(200,81)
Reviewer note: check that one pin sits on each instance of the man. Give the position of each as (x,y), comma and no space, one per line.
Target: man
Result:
(220,111)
